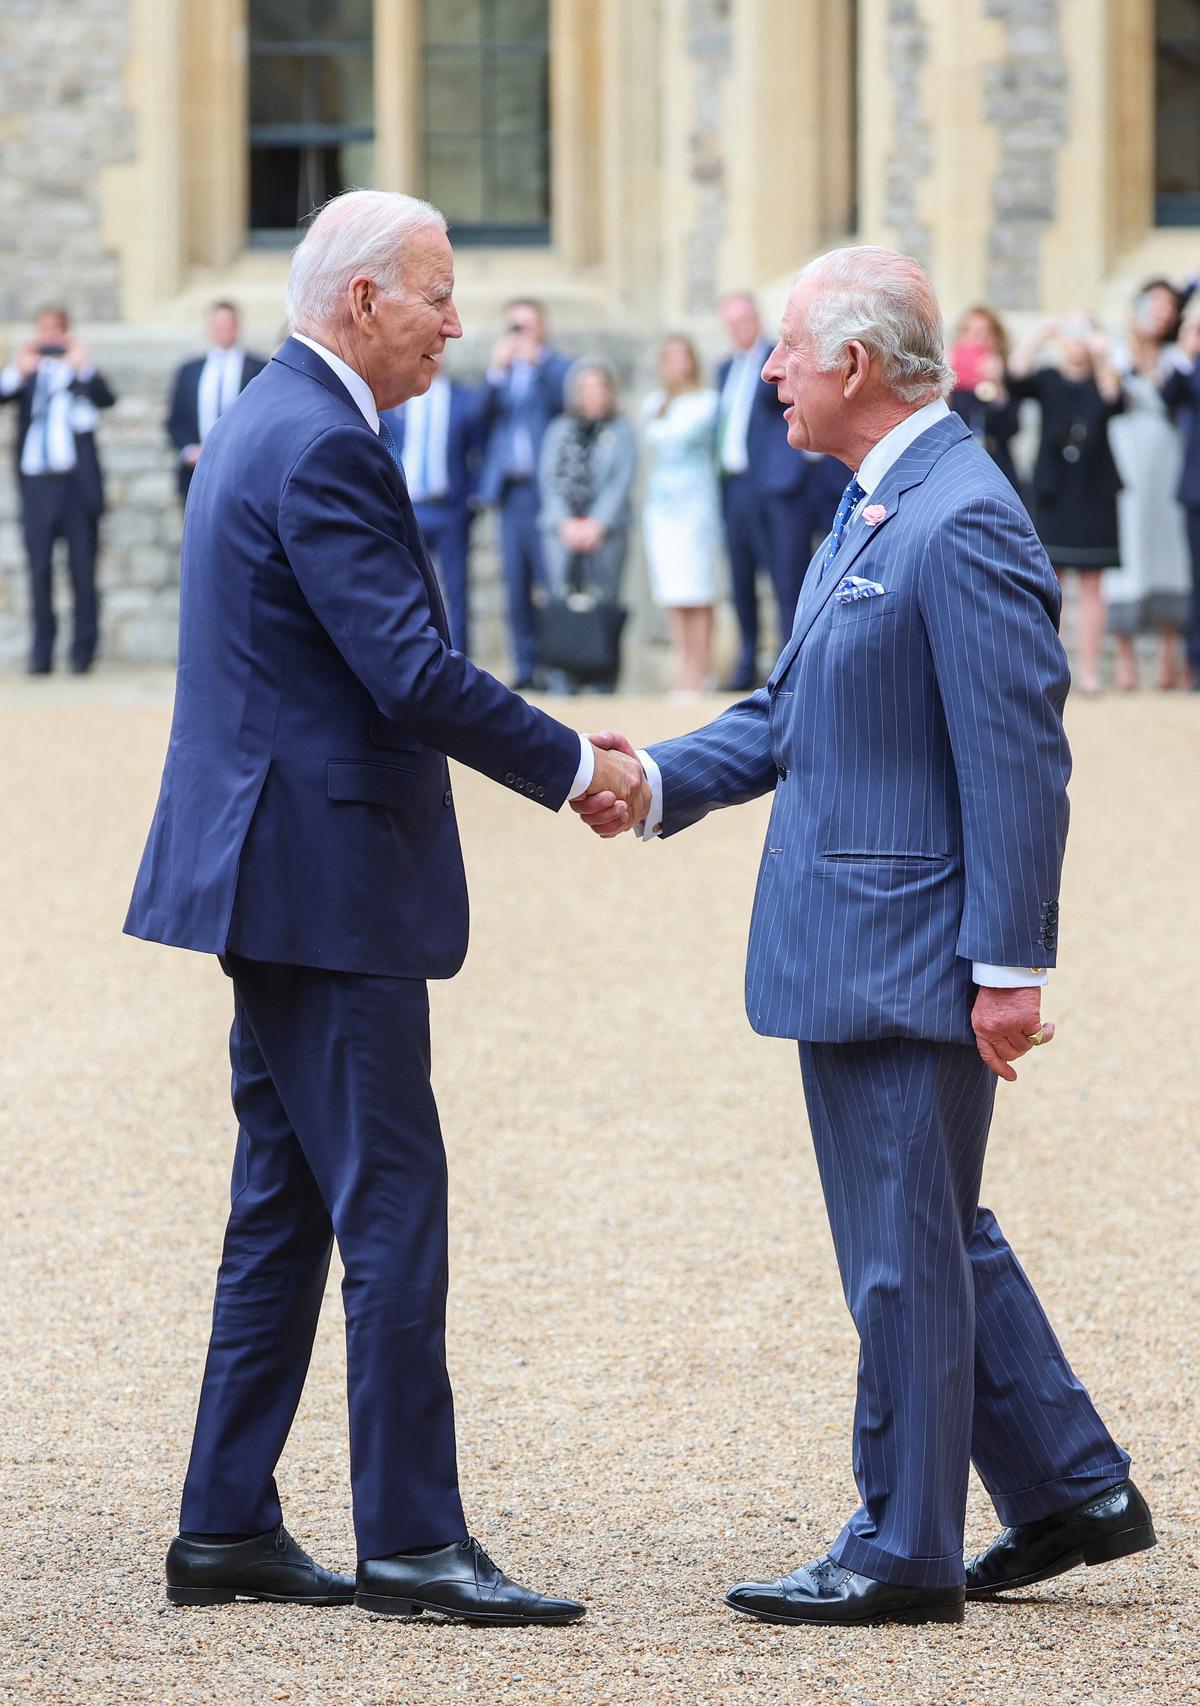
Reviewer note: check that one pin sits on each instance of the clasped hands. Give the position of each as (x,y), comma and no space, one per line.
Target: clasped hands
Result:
(619,794)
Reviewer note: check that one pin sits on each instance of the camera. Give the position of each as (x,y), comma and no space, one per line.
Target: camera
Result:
(52,349)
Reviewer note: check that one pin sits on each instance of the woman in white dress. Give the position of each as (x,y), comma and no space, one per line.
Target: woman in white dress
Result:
(681,518)
(1150,592)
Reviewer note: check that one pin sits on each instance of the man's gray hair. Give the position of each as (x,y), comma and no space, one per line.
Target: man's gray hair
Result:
(883,300)
(363,232)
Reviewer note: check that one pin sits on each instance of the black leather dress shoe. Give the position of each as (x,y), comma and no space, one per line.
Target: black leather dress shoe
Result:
(1112,1525)
(270,1566)
(458,1580)
(826,1593)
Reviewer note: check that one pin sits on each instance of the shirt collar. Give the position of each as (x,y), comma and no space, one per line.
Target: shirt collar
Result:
(354,382)
(892,445)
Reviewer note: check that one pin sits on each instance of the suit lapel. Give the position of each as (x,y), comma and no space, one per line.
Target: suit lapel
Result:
(907,471)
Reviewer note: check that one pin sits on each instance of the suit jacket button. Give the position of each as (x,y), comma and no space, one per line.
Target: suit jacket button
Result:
(781,772)
(510,778)
(447,798)
(539,793)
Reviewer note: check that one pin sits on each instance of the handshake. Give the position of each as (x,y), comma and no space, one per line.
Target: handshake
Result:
(619,794)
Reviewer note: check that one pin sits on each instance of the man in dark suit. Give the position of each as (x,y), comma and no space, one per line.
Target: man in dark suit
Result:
(775,503)
(439,434)
(305,833)
(906,913)
(524,393)
(58,394)
(204,388)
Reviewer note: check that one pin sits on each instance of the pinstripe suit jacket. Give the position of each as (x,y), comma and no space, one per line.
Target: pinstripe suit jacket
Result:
(915,746)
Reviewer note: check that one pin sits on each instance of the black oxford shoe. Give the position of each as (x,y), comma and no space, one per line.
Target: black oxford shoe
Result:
(1112,1525)
(826,1593)
(270,1566)
(459,1581)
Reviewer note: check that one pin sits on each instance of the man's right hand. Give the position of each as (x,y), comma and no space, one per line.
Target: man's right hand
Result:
(29,359)
(619,795)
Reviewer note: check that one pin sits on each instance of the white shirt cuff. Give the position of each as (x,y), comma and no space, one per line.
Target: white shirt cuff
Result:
(1009,977)
(11,380)
(650,827)
(587,768)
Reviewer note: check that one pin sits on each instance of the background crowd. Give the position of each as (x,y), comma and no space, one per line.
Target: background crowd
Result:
(549,443)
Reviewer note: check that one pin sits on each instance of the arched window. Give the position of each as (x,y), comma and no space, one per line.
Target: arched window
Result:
(1177,112)
(312,108)
(486,117)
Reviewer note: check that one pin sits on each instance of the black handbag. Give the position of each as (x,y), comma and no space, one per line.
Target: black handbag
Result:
(580,633)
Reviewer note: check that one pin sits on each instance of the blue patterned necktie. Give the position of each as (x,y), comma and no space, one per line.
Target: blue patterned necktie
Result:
(388,440)
(851,498)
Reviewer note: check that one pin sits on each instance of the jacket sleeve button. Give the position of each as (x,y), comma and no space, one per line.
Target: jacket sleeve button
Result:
(540,794)
(510,779)
(447,798)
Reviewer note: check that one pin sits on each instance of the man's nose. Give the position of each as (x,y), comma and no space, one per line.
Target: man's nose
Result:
(452,325)
(772,370)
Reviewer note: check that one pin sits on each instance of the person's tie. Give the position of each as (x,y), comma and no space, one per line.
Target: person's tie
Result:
(387,439)
(851,498)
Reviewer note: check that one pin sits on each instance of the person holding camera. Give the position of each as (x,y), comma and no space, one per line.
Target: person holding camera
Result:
(59,395)
(1075,479)
(524,393)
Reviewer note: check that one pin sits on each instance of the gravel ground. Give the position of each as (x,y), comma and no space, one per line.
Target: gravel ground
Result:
(653,1366)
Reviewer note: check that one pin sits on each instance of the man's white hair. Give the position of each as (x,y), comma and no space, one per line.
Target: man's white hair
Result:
(361,232)
(883,300)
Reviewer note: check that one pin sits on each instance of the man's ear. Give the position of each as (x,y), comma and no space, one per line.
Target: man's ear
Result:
(855,369)
(362,302)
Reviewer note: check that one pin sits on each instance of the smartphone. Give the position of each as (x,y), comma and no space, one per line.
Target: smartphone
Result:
(969,362)
(52,349)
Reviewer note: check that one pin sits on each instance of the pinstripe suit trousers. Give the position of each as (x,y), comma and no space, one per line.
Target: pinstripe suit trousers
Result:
(958,1360)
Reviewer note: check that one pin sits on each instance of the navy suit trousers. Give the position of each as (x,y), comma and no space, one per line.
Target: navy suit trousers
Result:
(338,1137)
(446,529)
(958,1361)
(53,509)
(521,551)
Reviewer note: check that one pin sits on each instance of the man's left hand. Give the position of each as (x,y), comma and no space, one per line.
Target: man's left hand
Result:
(1004,1022)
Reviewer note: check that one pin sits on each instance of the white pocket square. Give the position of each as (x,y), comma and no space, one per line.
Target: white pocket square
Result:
(851,588)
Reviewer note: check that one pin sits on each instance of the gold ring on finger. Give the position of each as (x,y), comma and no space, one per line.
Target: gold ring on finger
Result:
(1038,1037)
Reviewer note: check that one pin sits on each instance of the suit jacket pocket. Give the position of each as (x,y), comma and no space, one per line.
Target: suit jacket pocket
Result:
(872,609)
(370,784)
(885,857)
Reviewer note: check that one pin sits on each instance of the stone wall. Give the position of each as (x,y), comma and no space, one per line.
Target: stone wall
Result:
(1025,98)
(911,156)
(709,46)
(63,118)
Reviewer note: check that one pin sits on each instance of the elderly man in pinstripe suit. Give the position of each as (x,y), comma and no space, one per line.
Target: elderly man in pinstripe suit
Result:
(906,912)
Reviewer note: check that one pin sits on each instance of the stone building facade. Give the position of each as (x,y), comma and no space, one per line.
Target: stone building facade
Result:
(695,146)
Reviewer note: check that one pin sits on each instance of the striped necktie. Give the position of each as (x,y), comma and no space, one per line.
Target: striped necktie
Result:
(851,498)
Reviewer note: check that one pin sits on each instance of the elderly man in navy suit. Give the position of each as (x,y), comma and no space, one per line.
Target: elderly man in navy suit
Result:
(774,502)
(305,833)
(439,433)
(911,734)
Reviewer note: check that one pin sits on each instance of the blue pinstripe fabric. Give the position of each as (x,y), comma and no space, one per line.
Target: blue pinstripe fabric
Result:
(958,1359)
(915,747)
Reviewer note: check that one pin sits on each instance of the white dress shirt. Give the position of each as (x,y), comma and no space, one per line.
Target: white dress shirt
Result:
(364,398)
(424,451)
(57,415)
(220,383)
(737,399)
(875,465)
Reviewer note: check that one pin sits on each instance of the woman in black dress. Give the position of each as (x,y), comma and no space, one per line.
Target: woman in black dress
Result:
(979,357)
(1075,481)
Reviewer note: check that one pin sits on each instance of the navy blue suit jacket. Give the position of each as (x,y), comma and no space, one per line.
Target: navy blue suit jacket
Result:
(305,814)
(774,465)
(543,399)
(915,746)
(464,439)
(183,416)
(1182,391)
(87,476)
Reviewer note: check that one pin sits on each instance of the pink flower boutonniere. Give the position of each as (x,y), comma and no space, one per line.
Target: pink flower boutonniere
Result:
(874,514)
